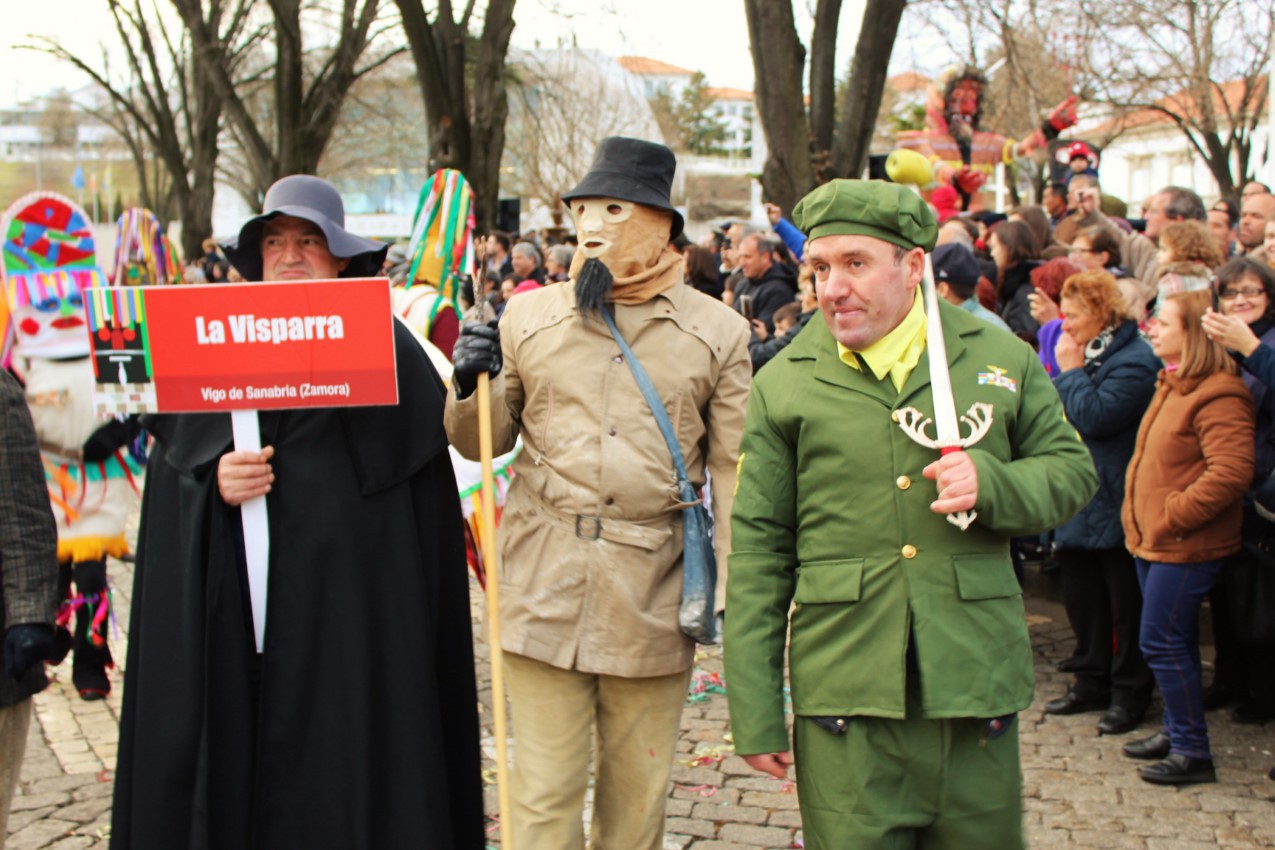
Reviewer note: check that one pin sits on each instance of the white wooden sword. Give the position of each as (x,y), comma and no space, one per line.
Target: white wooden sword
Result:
(914,423)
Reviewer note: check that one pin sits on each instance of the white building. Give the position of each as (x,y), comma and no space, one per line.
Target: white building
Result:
(745,142)
(1147,152)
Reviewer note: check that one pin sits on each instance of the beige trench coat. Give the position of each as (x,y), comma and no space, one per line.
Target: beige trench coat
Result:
(591,543)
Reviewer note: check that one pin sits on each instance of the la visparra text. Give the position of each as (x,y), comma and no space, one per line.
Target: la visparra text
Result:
(247,328)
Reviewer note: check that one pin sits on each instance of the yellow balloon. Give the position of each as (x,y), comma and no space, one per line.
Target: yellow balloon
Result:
(909,166)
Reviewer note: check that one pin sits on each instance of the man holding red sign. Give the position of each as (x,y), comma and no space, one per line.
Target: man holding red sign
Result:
(356,726)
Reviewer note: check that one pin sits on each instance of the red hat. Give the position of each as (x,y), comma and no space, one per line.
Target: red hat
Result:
(944,199)
(1078,149)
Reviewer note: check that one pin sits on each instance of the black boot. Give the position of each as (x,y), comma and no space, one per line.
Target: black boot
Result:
(1179,770)
(1155,747)
(61,634)
(1074,702)
(1119,720)
(92,653)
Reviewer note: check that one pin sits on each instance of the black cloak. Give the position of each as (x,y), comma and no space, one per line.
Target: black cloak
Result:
(358,727)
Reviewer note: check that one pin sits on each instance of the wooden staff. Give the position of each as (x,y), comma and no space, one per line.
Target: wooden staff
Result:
(491,565)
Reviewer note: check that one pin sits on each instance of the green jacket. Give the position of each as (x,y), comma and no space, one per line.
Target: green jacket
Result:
(832,521)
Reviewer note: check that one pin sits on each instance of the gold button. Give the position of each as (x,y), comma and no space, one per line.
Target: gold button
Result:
(909,551)
(903,482)
(894,416)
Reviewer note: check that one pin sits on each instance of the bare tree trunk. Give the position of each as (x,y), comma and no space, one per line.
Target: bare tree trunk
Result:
(289,86)
(778,62)
(491,110)
(473,147)
(327,93)
(304,117)
(170,114)
(205,127)
(867,82)
(823,82)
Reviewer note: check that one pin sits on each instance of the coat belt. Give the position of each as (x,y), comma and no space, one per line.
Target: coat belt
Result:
(649,534)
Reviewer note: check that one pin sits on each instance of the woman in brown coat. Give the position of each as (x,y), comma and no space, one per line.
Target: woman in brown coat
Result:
(1192,462)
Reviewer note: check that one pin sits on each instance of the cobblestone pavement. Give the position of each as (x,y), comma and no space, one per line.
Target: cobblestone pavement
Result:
(1080,792)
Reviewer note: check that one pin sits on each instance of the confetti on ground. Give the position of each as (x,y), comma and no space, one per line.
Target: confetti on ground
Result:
(701,790)
(704,684)
(702,652)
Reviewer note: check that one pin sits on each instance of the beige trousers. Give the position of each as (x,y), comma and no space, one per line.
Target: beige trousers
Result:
(15,720)
(636,722)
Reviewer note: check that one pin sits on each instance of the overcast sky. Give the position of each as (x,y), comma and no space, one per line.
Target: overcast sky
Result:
(707,35)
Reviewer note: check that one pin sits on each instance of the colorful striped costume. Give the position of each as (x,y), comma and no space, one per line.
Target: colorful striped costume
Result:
(49,262)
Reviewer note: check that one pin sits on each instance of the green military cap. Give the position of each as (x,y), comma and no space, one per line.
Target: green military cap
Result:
(874,208)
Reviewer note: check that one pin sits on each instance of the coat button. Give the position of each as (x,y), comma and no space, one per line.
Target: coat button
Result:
(611,430)
(610,500)
(894,416)
(909,551)
(903,482)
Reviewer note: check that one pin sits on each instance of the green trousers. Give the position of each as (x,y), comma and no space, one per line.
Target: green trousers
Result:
(909,784)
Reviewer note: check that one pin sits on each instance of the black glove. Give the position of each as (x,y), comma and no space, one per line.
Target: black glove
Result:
(110,438)
(476,351)
(26,645)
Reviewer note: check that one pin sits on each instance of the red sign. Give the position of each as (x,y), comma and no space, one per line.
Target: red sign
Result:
(251,346)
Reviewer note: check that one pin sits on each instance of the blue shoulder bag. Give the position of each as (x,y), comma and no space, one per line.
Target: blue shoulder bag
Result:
(699,562)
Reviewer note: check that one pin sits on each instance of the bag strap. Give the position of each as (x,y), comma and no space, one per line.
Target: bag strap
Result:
(652,398)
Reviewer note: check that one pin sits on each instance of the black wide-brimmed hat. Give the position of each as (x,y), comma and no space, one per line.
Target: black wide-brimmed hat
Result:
(631,170)
(318,202)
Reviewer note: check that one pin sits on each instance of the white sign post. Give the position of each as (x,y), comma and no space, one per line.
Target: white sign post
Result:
(256,528)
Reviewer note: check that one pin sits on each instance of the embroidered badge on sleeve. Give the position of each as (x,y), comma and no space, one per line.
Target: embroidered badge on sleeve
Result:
(997,378)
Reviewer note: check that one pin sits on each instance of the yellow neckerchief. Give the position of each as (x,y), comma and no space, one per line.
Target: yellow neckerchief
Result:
(895,354)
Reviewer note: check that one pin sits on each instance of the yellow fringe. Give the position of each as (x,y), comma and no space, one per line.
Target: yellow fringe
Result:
(92,548)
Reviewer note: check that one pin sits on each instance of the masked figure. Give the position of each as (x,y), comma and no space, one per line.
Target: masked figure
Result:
(591,537)
(143,254)
(442,248)
(49,262)
(964,155)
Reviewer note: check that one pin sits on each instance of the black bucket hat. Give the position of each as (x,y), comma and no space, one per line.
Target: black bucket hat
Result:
(631,170)
(318,202)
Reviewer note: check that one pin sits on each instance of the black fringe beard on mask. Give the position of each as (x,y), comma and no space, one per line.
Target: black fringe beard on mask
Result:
(593,287)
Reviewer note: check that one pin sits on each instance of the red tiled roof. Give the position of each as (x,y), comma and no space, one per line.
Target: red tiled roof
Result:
(651,67)
(1183,103)
(726,93)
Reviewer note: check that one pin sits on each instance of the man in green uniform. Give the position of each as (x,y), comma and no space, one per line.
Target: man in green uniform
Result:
(909,650)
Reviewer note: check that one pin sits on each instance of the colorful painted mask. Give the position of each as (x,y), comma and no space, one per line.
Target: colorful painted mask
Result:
(48,263)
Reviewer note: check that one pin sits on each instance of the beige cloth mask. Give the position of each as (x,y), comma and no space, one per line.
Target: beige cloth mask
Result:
(631,240)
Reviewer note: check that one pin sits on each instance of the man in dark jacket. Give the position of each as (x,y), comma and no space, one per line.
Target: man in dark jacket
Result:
(356,726)
(771,284)
(28,581)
